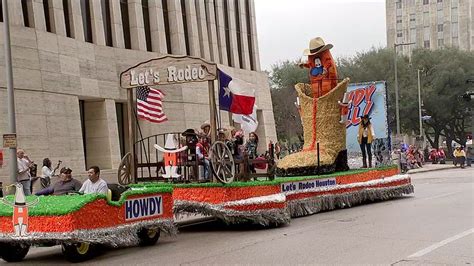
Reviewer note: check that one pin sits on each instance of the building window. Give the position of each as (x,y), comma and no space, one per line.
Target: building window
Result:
(46,15)
(439,1)
(67,22)
(399,34)
(146,24)
(185,24)
(125,24)
(426,44)
(106,19)
(454,14)
(239,34)
(24,9)
(413,35)
(454,29)
(440,27)
(426,18)
(398,4)
(1,12)
(426,33)
(412,17)
(399,21)
(440,43)
(454,3)
(455,42)
(86,20)
(426,2)
(249,34)
(227,33)
(164,4)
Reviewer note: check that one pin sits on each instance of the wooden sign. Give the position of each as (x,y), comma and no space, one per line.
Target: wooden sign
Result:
(168,70)
(9,140)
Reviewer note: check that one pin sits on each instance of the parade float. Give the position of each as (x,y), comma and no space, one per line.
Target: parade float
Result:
(160,175)
(83,223)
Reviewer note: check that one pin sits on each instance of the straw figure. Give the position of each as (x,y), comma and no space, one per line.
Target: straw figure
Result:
(320,115)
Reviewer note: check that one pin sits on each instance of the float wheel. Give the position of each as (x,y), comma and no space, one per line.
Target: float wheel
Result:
(14,252)
(125,170)
(222,162)
(148,236)
(77,252)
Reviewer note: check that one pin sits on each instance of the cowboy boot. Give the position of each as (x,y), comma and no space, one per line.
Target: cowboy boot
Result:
(364,162)
(320,118)
(370,163)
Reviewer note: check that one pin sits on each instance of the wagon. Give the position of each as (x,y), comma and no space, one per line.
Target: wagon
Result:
(143,163)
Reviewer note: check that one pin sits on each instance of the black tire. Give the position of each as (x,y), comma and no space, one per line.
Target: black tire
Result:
(148,236)
(14,252)
(77,252)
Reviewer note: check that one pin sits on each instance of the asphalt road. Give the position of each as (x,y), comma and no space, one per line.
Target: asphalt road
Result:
(434,226)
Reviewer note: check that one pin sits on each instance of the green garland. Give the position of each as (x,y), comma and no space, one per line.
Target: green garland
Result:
(65,204)
(277,181)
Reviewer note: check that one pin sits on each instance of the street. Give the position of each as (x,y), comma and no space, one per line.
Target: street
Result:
(434,226)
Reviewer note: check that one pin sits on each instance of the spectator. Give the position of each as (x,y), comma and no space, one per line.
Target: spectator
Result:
(403,162)
(469,156)
(459,157)
(65,185)
(441,156)
(94,184)
(277,150)
(47,172)
(418,157)
(24,165)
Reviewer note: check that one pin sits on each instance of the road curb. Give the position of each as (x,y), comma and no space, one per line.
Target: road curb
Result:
(431,170)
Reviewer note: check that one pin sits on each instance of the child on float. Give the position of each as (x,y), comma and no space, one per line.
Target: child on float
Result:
(202,151)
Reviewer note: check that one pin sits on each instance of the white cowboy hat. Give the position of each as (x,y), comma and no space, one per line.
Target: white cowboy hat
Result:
(316,46)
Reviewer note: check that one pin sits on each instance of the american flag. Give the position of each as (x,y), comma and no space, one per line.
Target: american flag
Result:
(149,105)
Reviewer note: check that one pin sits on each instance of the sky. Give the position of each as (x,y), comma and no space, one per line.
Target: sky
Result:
(285,27)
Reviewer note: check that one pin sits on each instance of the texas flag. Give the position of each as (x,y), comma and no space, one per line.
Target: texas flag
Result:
(235,96)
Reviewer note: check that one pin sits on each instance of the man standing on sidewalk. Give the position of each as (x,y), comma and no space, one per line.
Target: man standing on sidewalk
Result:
(24,164)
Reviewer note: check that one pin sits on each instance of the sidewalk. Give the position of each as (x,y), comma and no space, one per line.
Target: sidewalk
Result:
(432,167)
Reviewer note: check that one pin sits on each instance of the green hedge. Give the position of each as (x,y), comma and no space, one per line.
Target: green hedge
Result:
(64,204)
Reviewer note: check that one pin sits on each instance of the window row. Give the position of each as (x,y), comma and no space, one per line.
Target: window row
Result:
(237,32)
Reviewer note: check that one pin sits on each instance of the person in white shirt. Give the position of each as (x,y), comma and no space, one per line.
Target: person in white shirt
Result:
(23,177)
(94,184)
(47,172)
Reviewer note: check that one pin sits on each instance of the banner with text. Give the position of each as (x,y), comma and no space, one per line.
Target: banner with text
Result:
(367,98)
(307,184)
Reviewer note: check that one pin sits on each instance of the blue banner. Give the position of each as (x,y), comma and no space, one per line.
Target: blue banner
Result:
(367,98)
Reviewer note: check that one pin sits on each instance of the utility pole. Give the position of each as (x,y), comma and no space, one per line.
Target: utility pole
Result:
(419,111)
(11,96)
(397,107)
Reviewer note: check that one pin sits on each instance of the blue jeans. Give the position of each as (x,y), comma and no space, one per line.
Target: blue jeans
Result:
(26,187)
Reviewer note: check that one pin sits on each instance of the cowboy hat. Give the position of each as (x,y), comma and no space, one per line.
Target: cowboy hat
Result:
(205,124)
(317,46)
(189,132)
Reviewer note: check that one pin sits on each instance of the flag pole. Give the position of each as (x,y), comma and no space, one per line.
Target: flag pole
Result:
(212,107)
(131,133)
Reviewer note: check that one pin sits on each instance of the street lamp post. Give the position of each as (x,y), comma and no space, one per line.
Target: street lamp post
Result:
(397,108)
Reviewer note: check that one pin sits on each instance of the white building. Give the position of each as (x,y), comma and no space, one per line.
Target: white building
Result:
(431,24)
(67,57)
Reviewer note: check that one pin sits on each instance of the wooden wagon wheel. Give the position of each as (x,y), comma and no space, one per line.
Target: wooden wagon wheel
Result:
(222,162)
(125,170)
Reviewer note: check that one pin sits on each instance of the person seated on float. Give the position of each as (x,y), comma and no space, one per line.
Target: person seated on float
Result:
(238,143)
(94,184)
(65,185)
(459,156)
(202,152)
(251,147)
(206,129)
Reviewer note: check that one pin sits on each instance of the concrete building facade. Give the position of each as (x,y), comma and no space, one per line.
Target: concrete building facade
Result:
(67,57)
(430,24)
